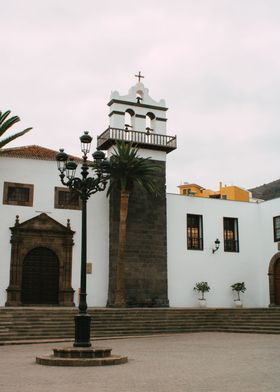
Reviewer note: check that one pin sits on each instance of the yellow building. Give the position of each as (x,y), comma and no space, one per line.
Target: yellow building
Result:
(225,192)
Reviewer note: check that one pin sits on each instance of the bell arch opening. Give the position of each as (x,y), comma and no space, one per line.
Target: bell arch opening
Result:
(129,119)
(150,122)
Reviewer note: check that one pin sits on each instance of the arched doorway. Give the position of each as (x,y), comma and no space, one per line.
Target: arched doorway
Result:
(274,280)
(41,263)
(277,282)
(40,277)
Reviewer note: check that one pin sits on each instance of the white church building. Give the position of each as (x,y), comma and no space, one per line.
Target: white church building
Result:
(171,243)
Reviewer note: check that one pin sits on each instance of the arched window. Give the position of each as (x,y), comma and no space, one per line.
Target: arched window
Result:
(139,96)
(129,119)
(150,122)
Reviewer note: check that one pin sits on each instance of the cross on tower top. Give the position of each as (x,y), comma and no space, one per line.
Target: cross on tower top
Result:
(139,76)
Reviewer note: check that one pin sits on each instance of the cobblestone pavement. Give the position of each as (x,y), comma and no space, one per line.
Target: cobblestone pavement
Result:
(192,362)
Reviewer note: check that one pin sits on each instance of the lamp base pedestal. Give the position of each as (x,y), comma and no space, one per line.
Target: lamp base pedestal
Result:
(75,356)
(82,330)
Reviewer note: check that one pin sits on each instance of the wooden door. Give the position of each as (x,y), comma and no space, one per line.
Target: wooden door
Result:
(277,282)
(40,277)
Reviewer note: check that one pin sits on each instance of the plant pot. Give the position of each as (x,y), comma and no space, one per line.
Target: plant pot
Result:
(202,303)
(238,303)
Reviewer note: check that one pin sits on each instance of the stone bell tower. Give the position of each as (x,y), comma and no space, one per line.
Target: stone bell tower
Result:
(140,120)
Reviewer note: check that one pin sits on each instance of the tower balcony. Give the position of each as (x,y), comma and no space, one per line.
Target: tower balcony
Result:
(152,141)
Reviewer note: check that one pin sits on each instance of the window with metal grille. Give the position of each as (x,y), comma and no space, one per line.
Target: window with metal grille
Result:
(276,228)
(231,242)
(18,194)
(64,198)
(194,232)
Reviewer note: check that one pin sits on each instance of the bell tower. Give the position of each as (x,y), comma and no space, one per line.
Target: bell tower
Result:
(139,119)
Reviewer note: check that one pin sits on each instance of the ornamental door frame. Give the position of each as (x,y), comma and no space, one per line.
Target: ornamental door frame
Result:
(41,231)
(271,276)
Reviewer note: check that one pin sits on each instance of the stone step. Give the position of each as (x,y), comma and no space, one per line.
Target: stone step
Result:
(132,331)
(136,324)
(135,320)
(24,310)
(58,323)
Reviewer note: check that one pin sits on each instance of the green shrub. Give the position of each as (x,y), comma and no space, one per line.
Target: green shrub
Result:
(239,287)
(202,287)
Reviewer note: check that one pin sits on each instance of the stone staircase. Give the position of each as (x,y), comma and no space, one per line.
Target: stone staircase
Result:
(20,324)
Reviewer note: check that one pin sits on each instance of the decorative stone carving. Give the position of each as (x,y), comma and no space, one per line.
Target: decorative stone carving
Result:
(41,231)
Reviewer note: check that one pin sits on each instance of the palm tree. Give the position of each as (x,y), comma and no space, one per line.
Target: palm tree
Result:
(5,124)
(126,170)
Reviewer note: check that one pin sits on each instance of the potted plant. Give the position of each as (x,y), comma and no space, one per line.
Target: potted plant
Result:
(239,287)
(202,287)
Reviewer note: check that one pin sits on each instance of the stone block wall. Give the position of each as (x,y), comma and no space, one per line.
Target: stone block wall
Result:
(146,247)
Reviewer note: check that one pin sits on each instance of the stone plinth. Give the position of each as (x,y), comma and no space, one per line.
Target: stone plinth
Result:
(76,356)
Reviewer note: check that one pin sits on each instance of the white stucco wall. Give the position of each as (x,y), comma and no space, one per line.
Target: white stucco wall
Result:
(98,249)
(45,177)
(185,267)
(221,269)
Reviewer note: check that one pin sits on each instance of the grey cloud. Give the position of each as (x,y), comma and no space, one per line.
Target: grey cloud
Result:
(215,62)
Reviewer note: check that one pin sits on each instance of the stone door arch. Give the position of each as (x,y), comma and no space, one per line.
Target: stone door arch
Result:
(40,277)
(40,234)
(274,280)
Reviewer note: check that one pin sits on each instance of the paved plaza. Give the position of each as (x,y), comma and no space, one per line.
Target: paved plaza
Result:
(195,362)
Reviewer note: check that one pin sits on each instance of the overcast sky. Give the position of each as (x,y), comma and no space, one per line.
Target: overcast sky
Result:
(215,62)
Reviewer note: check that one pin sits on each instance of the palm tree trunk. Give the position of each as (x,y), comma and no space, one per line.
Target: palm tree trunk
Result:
(120,268)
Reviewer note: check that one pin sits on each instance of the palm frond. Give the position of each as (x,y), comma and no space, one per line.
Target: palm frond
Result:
(4,115)
(128,169)
(7,140)
(8,124)
(5,124)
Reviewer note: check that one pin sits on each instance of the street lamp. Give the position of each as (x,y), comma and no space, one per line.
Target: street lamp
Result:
(84,187)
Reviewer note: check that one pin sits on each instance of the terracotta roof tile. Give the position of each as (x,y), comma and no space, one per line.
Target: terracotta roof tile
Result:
(32,152)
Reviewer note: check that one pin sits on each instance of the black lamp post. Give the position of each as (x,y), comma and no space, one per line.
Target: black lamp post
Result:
(84,187)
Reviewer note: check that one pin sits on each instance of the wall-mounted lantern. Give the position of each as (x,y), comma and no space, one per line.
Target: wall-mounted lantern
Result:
(217,245)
